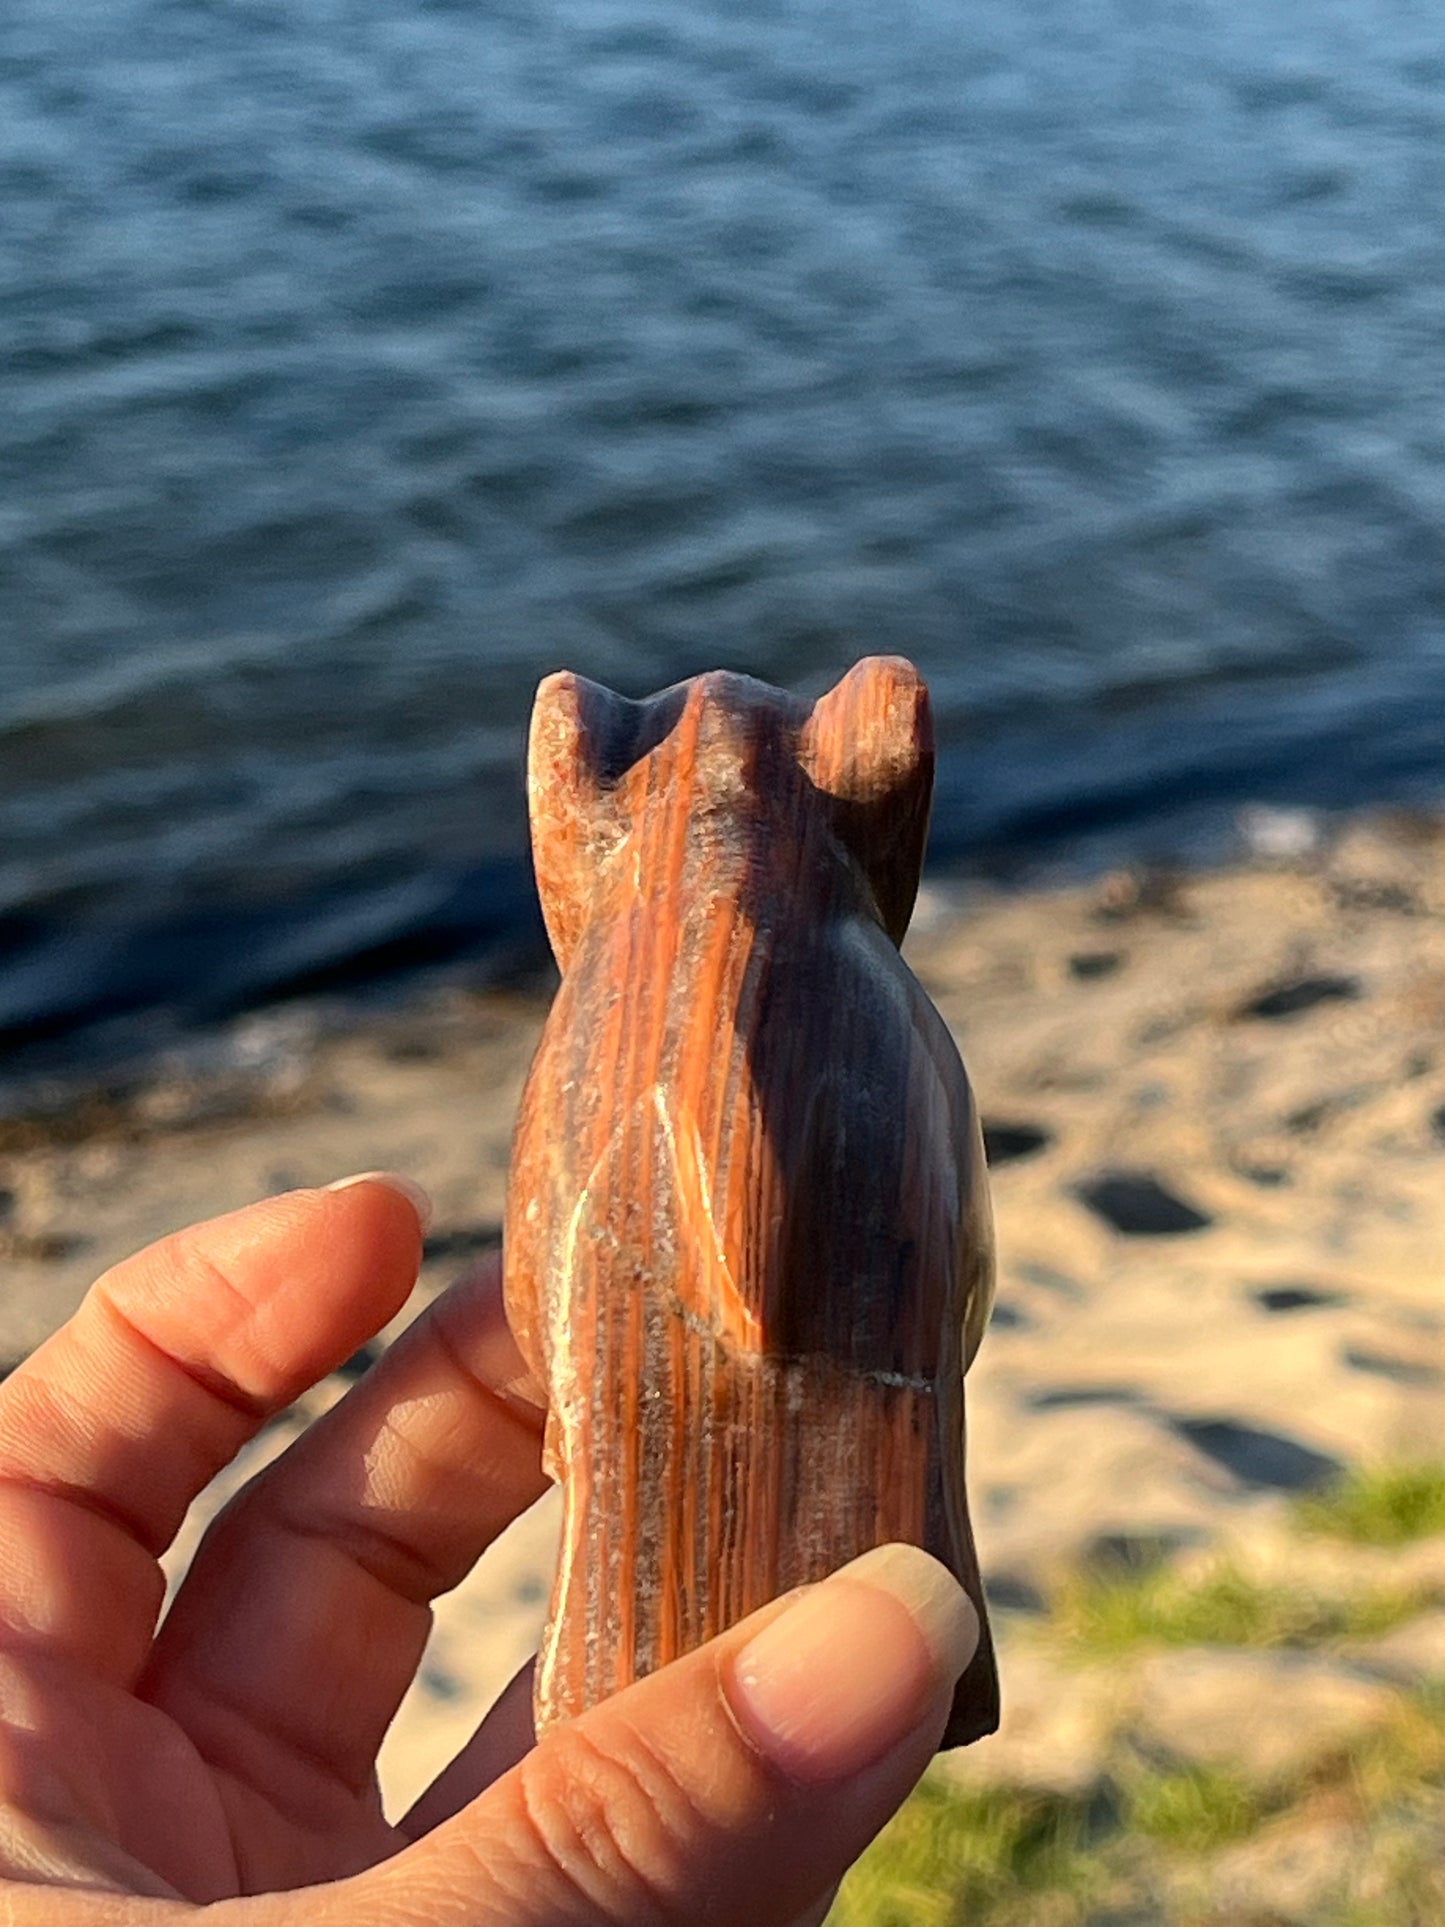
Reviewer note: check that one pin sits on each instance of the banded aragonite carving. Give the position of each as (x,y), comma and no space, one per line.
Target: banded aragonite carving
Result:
(749,1247)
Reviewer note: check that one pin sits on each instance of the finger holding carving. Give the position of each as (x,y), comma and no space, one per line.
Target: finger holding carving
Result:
(731,1789)
(195,1341)
(327,1563)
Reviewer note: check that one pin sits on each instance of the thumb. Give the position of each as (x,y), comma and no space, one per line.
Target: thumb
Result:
(731,1789)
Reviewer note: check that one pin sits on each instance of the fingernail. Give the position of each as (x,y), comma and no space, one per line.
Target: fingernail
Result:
(415,1194)
(841,1677)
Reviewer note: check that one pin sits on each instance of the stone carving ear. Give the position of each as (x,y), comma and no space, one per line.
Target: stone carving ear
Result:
(581,741)
(868,745)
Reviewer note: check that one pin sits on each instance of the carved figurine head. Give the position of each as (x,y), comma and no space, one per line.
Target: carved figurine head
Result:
(727,745)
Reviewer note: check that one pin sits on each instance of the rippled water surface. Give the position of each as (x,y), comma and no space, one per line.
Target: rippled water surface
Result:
(363,362)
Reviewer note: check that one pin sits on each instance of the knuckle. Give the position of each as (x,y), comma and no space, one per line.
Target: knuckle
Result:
(179,1274)
(615,1824)
(388,1556)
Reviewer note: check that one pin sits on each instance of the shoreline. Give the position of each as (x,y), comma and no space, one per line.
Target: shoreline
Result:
(1319,970)
(333,964)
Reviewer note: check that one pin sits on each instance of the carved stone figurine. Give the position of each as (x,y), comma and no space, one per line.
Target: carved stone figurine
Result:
(748,1243)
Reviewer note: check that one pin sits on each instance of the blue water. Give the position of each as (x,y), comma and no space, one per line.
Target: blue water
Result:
(360,363)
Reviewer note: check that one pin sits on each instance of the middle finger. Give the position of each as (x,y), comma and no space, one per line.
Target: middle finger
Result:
(306,1609)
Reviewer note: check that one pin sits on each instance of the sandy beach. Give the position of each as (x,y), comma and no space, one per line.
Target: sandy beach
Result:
(1215,1109)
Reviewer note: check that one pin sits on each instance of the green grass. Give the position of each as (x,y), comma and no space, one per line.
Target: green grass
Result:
(1384,1506)
(1008,1857)
(1101,1615)
(1197,1810)
(1005,1856)
(1397,1780)
(1401,1767)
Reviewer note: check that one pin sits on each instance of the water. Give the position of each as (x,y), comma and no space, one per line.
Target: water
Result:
(362,363)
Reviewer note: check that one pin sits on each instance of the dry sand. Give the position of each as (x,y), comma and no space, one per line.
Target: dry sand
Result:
(1216,1109)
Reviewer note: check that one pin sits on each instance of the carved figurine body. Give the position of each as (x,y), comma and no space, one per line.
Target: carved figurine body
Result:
(748,1244)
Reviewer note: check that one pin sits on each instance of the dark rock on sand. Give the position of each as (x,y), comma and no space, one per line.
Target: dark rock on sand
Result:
(1137,1205)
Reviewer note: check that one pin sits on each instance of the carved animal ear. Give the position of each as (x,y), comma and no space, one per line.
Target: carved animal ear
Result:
(581,740)
(869,745)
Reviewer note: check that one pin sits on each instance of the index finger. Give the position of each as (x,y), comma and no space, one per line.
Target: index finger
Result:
(325,1566)
(176,1357)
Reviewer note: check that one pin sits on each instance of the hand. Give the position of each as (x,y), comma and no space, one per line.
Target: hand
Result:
(231,1753)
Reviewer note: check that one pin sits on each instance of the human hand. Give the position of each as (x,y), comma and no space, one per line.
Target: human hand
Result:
(228,1759)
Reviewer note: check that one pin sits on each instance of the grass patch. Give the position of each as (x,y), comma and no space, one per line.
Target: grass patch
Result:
(1384,1506)
(1399,1782)
(1099,1615)
(1004,1856)
(1009,1857)
(1401,1767)
(1198,1809)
